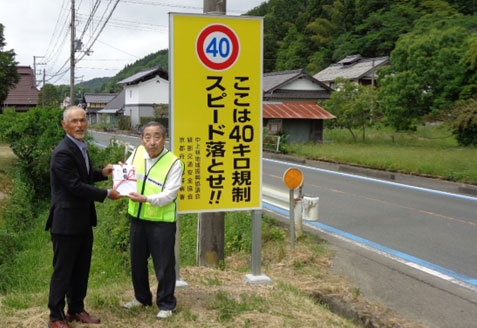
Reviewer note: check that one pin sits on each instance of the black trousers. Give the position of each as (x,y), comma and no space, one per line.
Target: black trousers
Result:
(71,264)
(155,239)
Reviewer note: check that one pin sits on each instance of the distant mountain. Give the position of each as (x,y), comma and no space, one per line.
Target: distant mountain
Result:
(95,84)
(159,58)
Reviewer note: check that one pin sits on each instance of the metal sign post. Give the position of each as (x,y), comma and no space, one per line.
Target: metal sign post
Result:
(292,178)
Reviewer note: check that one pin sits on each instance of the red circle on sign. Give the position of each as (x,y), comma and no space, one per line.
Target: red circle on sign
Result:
(201,42)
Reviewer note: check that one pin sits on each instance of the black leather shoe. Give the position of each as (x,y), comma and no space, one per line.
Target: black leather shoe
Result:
(58,324)
(83,317)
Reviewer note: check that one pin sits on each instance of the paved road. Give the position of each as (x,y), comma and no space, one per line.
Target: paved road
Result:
(104,139)
(404,245)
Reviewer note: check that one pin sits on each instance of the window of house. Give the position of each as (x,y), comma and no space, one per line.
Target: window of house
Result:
(274,126)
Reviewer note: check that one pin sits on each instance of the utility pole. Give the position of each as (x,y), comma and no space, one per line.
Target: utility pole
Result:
(34,67)
(72,54)
(43,96)
(211,225)
(215,7)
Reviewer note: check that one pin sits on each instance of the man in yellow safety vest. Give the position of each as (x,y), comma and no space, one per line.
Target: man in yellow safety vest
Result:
(152,210)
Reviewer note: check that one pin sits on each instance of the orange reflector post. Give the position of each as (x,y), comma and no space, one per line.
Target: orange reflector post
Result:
(293,178)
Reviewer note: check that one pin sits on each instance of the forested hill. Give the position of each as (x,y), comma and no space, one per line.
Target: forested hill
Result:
(432,45)
(159,58)
(311,34)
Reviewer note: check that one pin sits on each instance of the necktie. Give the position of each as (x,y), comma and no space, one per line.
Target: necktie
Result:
(85,155)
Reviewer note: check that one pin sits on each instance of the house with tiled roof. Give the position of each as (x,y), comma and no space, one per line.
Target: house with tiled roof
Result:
(24,95)
(290,105)
(354,68)
(93,103)
(144,90)
(111,112)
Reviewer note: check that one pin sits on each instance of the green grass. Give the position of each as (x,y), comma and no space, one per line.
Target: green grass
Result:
(228,307)
(430,151)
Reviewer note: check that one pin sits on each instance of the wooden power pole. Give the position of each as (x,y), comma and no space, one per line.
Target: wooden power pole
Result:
(211,226)
(72,55)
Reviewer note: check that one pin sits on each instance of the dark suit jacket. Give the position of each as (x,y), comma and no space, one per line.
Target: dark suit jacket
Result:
(73,195)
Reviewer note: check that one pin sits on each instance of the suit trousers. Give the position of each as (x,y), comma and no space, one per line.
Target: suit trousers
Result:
(155,239)
(71,265)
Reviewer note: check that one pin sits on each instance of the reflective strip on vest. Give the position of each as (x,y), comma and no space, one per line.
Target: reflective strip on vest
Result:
(154,184)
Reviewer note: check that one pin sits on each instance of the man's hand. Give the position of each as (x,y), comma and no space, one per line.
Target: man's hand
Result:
(137,197)
(108,170)
(114,194)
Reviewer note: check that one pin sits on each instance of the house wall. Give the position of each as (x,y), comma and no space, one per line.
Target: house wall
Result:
(148,92)
(107,118)
(301,131)
(302,84)
(139,98)
(138,111)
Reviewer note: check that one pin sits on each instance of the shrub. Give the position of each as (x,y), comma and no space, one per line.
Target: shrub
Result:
(9,243)
(465,125)
(32,137)
(19,209)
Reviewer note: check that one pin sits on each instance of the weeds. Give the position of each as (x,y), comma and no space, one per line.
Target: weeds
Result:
(430,151)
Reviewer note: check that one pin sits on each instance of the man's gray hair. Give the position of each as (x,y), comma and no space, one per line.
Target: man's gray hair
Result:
(154,123)
(66,112)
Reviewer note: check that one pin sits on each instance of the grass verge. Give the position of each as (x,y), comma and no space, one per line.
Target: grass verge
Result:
(214,297)
(429,151)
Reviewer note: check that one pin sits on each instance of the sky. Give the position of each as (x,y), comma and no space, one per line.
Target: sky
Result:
(38,31)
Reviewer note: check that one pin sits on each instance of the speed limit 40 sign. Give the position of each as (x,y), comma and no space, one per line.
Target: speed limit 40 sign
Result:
(217,47)
(215,107)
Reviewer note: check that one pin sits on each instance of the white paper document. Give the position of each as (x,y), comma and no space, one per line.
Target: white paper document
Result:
(124,179)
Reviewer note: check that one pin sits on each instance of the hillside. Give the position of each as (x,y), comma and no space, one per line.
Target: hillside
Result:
(93,85)
(431,45)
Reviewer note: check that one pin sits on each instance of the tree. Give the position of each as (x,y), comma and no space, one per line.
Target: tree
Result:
(431,67)
(353,105)
(379,31)
(48,96)
(464,125)
(32,137)
(8,69)
(293,52)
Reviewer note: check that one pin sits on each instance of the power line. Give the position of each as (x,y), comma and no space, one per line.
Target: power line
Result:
(99,32)
(90,18)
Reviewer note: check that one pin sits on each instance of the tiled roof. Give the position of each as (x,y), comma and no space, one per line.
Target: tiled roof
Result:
(295,110)
(145,75)
(276,80)
(117,103)
(25,93)
(297,95)
(352,68)
(99,98)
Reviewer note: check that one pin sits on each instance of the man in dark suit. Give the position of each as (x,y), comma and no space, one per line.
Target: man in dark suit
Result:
(71,220)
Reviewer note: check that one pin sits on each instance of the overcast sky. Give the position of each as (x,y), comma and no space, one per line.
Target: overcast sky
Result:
(136,28)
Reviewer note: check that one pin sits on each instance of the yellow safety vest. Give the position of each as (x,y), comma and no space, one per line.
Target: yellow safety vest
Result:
(152,182)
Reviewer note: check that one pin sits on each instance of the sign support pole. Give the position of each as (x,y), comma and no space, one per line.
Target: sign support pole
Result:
(292,178)
(256,277)
(292,218)
(211,225)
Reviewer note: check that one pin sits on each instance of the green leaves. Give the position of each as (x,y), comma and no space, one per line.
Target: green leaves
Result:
(431,69)
(353,105)
(8,70)
(32,137)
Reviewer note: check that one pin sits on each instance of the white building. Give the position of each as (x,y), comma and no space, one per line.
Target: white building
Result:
(142,91)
